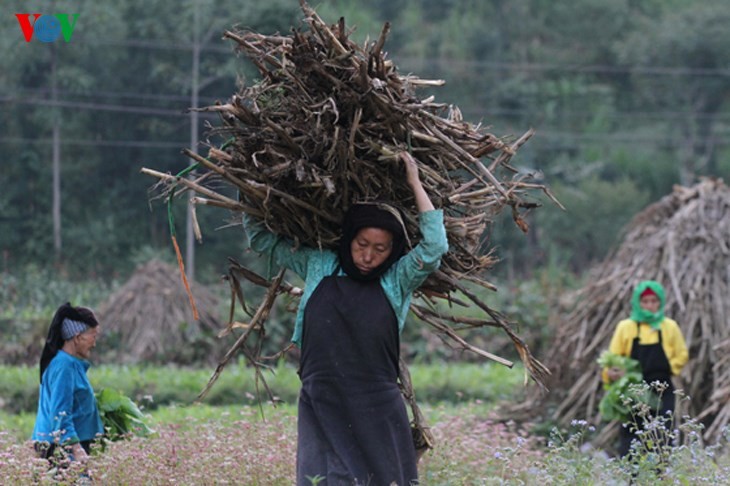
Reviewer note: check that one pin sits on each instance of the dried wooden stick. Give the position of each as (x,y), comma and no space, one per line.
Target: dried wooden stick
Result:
(257,320)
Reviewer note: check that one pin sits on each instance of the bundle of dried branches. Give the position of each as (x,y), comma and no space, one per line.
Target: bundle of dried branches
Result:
(682,241)
(322,130)
(148,319)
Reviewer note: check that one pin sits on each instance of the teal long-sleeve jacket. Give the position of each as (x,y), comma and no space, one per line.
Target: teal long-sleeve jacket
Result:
(313,264)
(67,411)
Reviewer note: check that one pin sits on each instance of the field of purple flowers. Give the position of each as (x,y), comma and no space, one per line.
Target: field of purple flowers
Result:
(229,445)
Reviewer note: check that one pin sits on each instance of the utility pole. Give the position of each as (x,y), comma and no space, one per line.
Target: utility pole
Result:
(189,233)
(56,161)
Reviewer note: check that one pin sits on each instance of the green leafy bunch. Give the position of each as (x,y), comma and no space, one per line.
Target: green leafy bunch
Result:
(120,415)
(626,392)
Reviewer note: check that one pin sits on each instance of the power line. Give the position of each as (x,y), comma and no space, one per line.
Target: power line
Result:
(140,110)
(474,114)
(436,62)
(544,135)
(96,143)
(630,138)
(135,110)
(579,136)
(163,44)
(157,44)
(595,68)
(471,113)
(101,94)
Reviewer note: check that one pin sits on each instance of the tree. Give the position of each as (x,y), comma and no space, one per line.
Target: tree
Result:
(38,78)
(122,86)
(197,27)
(688,42)
(596,212)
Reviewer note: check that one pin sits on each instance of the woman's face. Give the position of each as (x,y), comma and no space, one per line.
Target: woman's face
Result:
(370,248)
(85,342)
(650,302)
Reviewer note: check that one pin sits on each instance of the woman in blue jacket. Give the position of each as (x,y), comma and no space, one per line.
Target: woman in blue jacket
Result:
(353,427)
(67,413)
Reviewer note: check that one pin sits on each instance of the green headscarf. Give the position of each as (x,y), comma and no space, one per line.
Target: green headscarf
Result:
(654,319)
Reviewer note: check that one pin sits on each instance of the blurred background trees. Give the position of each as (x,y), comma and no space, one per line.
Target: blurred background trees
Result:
(628,98)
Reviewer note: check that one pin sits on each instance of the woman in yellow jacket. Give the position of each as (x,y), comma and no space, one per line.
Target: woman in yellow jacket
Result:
(655,341)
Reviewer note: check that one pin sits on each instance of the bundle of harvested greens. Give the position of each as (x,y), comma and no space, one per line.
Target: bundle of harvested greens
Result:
(120,415)
(626,392)
(321,130)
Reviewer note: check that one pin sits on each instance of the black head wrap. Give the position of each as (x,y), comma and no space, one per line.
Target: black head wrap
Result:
(54,341)
(371,215)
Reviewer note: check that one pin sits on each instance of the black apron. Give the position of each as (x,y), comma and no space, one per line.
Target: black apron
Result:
(654,367)
(353,426)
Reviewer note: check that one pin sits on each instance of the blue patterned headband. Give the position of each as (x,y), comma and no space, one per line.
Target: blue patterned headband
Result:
(71,328)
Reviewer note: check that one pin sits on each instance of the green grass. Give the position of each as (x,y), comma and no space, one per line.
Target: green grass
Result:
(184,416)
(168,394)
(154,387)
(18,425)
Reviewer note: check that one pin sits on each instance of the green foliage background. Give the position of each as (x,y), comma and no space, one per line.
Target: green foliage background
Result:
(628,98)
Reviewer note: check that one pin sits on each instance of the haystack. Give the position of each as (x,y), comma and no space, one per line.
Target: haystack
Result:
(683,242)
(149,319)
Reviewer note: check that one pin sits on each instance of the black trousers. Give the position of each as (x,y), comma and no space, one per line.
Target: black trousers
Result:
(48,451)
(628,432)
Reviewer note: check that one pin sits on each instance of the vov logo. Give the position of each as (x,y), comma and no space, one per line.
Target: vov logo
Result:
(47,28)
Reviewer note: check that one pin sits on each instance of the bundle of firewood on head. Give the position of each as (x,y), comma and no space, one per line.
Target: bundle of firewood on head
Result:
(322,130)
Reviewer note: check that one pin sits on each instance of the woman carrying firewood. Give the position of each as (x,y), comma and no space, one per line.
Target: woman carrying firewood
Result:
(352,422)
(656,342)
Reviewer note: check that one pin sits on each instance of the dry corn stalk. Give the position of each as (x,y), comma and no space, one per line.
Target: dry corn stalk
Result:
(322,130)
